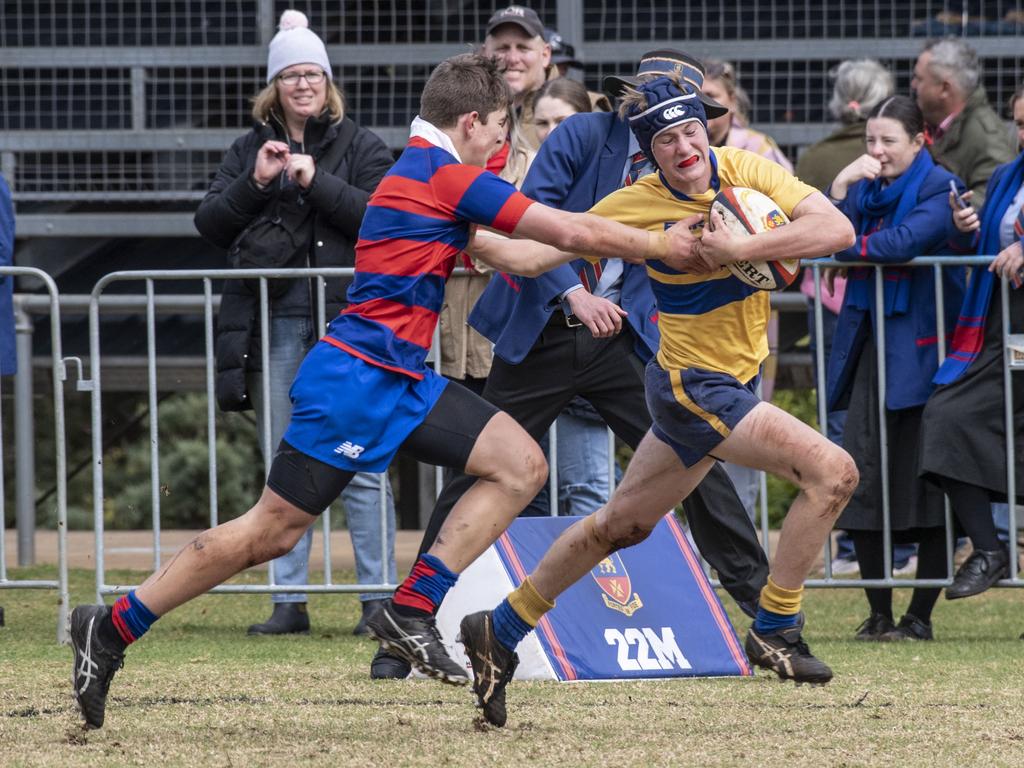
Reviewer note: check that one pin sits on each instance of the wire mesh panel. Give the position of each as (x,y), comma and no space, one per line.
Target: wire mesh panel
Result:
(621,20)
(128,22)
(120,175)
(65,99)
(201,97)
(188,70)
(405,21)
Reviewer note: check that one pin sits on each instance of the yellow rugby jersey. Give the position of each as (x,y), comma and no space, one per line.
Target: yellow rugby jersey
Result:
(713,321)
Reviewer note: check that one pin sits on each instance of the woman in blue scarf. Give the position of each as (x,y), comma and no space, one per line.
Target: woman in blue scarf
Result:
(896,198)
(964,439)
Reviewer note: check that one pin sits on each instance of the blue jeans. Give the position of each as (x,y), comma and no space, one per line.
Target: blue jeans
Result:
(290,339)
(582,463)
(747,482)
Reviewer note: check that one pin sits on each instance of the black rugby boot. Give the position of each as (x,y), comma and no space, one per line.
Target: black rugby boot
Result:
(96,660)
(415,639)
(787,655)
(493,665)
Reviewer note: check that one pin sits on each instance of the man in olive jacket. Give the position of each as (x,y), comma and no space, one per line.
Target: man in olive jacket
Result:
(968,138)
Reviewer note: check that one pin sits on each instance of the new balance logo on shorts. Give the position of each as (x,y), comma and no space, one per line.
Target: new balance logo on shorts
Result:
(349,450)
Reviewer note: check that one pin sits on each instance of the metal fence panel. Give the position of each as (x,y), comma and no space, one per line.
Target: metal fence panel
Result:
(58,372)
(150,279)
(936,263)
(86,83)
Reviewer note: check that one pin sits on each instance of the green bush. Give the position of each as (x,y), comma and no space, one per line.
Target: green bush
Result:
(184,477)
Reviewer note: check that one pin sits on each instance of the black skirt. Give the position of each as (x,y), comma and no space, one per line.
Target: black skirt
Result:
(913,501)
(963,436)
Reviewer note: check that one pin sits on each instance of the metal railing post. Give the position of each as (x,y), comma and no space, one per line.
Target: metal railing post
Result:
(24,442)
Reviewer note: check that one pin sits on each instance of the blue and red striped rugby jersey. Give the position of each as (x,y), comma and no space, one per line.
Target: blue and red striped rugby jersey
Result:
(417,222)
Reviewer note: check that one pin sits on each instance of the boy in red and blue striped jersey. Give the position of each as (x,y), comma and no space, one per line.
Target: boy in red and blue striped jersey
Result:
(364,391)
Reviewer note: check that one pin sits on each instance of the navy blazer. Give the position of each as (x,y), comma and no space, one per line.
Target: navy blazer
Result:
(580,163)
(911,343)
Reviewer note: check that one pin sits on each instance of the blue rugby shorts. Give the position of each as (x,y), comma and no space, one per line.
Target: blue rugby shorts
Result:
(354,415)
(695,409)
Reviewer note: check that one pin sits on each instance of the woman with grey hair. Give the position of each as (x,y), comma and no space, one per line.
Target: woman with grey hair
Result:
(860,85)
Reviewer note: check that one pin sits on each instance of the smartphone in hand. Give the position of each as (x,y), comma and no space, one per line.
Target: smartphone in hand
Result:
(960,202)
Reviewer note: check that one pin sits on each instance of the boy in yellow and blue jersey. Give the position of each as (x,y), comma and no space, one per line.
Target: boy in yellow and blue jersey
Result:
(700,390)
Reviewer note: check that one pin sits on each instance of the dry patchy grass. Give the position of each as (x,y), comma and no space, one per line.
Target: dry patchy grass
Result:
(198,692)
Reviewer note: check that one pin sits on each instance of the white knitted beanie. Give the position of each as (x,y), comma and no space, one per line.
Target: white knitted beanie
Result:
(295,43)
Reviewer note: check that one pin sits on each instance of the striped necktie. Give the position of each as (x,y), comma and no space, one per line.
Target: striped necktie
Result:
(639,167)
(1018,225)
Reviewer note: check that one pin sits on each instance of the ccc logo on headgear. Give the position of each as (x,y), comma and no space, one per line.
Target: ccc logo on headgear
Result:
(672,112)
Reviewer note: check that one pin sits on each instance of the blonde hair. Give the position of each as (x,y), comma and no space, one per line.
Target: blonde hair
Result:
(631,99)
(725,73)
(520,154)
(266,105)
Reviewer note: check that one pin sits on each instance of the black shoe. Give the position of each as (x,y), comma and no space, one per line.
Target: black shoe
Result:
(415,639)
(287,619)
(387,666)
(370,607)
(493,665)
(979,572)
(785,653)
(873,627)
(95,662)
(909,628)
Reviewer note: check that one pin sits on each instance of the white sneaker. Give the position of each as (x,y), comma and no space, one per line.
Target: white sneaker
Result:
(844,567)
(909,568)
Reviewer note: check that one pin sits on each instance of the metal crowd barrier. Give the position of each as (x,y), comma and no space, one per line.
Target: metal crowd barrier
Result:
(94,386)
(207,302)
(936,263)
(25,456)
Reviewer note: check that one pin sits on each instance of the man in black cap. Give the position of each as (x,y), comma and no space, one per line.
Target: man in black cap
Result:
(515,36)
(563,54)
(563,334)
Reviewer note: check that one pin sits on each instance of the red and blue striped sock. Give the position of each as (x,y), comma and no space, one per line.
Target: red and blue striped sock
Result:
(131,617)
(425,588)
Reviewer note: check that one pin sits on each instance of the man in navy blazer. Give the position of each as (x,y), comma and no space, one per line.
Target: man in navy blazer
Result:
(555,339)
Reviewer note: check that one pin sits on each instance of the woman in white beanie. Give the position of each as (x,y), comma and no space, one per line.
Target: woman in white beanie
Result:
(292,193)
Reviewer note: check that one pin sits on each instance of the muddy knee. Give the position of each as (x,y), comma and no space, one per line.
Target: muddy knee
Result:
(529,473)
(841,481)
(613,536)
(271,536)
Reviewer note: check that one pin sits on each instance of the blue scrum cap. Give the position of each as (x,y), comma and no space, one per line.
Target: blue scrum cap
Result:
(666,107)
(667,62)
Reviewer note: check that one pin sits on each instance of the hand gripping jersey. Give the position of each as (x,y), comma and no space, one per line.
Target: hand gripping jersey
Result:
(416,224)
(714,321)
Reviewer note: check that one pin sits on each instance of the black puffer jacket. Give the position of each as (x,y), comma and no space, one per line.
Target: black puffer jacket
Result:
(338,196)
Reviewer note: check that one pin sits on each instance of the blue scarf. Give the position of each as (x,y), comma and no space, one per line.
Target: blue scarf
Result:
(887,206)
(969,336)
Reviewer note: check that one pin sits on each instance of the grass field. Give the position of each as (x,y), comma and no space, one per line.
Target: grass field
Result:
(197,691)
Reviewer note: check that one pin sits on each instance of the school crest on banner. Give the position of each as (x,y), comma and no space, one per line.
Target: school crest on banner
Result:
(617,589)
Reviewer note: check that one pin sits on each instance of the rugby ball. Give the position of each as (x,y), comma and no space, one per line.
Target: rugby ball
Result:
(748,212)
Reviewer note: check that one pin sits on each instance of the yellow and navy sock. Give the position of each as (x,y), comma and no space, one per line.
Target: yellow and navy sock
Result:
(422,592)
(779,608)
(519,613)
(131,618)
